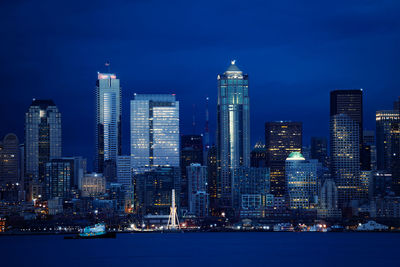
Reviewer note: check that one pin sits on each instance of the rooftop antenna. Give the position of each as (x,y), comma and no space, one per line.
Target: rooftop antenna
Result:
(107,64)
(194,119)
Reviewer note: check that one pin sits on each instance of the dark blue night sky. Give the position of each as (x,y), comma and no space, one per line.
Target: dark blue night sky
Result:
(295,53)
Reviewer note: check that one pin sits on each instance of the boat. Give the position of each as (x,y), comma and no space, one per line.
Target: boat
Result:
(93,232)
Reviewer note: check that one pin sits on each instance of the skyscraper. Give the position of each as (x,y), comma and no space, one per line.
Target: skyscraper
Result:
(385,119)
(349,102)
(154,131)
(108,121)
(212,175)
(301,181)
(281,139)
(345,158)
(59,178)
(395,160)
(233,128)
(10,181)
(42,142)
(369,150)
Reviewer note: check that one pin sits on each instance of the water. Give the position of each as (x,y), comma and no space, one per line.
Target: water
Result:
(205,249)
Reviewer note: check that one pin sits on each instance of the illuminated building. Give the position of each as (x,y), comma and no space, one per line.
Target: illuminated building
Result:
(233,128)
(154,131)
(10,181)
(124,171)
(301,181)
(2,225)
(319,150)
(213,188)
(384,121)
(59,178)
(369,150)
(395,161)
(197,189)
(93,185)
(249,189)
(258,156)
(153,190)
(108,122)
(345,158)
(191,152)
(42,142)
(281,139)
(350,102)
(125,178)
(366,178)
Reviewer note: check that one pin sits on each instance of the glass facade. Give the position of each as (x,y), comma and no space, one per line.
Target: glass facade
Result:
(154,131)
(281,139)
(233,128)
(42,142)
(345,158)
(385,121)
(301,181)
(108,119)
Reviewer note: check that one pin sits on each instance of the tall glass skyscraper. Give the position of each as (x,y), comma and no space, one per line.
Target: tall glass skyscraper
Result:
(108,120)
(42,142)
(385,120)
(345,158)
(233,129)
(350,102)
(154,131)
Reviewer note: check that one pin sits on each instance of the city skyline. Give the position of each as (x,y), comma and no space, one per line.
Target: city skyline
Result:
(309,54)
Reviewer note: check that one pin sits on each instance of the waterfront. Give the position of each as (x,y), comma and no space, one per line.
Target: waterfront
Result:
(200,249)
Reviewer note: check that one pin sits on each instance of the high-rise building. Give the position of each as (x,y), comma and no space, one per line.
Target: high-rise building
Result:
(59,178)
(350,102)
(124,171)
(42,142)
(319,150)
(212,175)
(154,131)
(233,128)
(369,151)
(108,122)
(384,121)
(197,189)
(395,160)
(10,180)
(153,190)
(345,158)
(281,139)
(258,156)
(301,181)
(191,152)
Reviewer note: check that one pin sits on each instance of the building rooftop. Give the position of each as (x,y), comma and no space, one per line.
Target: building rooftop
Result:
(42,103)
(295,156)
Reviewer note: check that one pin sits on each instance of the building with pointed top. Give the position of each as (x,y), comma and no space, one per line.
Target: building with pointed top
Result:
(233,128)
